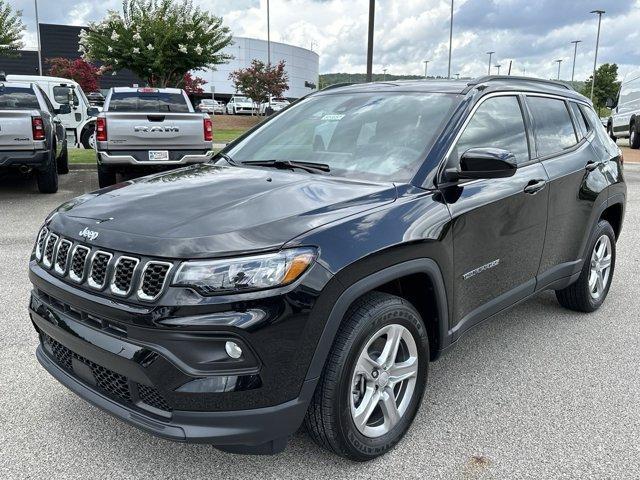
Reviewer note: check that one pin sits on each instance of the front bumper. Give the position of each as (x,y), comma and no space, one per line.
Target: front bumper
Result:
(141,157)
(30,158)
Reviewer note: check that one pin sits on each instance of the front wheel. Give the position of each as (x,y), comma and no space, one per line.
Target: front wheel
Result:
(88,137)
(588,293)
(373,380)
(634,137)
(63,160)
(106,176)
(610,132)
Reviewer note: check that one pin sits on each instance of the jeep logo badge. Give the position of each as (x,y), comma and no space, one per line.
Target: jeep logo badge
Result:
(88,234)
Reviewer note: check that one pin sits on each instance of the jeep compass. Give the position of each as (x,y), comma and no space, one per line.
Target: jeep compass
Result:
(314,268)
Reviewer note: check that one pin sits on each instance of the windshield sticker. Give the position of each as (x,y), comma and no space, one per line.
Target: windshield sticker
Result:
(333,117)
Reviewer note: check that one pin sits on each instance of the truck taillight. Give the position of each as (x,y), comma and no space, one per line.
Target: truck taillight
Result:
(101,129)
(37,126)
(208,130)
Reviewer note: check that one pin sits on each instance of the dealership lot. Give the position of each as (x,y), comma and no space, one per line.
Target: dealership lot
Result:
(537,392)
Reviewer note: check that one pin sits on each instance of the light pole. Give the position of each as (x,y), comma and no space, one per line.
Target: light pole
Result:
(575,53)
(595,58)
(498,67)
(269,46)
(38,35)
(384,74)
(450,41)
(372,10)
(490,55)
(559,62)
(426,65)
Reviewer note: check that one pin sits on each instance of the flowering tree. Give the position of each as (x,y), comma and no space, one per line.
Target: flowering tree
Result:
(11,29)
(158,40)
(86,74)
(260,81)
(192,84)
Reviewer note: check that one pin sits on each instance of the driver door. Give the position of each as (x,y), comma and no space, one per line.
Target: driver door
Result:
(499,224)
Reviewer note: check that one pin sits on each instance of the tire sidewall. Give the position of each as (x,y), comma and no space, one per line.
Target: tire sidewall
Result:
(602,228)
(362,447)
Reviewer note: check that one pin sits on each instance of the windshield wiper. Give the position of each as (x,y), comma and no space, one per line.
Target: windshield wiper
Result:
(229,160)
(310,167)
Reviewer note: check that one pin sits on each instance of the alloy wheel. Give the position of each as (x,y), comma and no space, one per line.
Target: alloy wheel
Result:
(384,380)
(600,271)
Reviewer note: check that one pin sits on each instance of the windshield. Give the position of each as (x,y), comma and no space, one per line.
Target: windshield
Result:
(374,136)
(17,98)
(147,102)
(241,99)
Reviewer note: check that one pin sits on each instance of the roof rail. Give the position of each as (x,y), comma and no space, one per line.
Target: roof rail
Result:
(336,85)
(490,78)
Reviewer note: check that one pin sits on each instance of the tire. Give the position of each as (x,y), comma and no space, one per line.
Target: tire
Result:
(634,137)
(106,176)
(85,137)
(342,391)
(580,296)
(47,176)
(610,131)
(63,161)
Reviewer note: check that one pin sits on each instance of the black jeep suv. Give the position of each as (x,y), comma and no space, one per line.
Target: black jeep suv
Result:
(311,272)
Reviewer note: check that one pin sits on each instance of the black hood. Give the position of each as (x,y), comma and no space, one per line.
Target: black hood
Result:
(210,210)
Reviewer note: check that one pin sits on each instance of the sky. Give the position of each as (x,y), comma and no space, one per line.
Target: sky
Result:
(531,33)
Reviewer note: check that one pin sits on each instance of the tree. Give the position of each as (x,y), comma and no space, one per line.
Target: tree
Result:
(11,30)
(259,81)
(83,72)
(158,40)
(606,85)
(192,84)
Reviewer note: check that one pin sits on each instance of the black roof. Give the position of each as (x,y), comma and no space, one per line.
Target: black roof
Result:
(487,83)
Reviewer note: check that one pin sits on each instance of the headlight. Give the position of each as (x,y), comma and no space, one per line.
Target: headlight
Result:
(245,273)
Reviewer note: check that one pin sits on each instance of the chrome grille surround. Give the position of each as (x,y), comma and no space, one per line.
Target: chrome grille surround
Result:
(145,280)
(49,250)
(62,257)
(76,253)
(120,272)
(42,235)
(99,271)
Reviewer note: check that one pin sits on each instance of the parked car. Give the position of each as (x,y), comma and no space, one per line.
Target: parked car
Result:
(277,104)
(238,105)
(79,122)
(96,99)
(31,133)
(625,117)
(313,272)
(208,105)
(149,127)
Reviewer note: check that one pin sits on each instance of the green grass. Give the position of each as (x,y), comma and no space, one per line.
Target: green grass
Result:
(80,155)
(227,135)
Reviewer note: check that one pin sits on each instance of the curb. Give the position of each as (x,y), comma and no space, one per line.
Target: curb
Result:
(82,166)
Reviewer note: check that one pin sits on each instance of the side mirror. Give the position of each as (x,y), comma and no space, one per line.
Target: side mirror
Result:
(610,103)
(479,163)
(93,111)
(63,109)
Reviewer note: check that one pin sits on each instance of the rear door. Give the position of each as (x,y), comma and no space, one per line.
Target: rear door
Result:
(17,106)
(576,182)
(498,224)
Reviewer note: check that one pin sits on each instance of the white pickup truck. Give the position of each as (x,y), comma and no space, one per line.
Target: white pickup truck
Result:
(149,128)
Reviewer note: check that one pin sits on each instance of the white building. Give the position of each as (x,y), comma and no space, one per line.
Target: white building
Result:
(301,65)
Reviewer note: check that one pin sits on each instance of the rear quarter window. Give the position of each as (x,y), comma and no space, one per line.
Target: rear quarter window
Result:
(16,98)
(148,102)
(553,130)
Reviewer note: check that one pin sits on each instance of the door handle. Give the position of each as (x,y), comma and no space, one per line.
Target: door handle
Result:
(534,186)
(591,166)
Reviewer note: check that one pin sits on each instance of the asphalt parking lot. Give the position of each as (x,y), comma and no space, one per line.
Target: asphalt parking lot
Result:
(537,392)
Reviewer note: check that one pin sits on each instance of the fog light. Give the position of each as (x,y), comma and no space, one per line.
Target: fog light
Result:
(233,350)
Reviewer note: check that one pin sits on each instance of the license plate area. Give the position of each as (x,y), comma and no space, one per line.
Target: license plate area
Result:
(158,155)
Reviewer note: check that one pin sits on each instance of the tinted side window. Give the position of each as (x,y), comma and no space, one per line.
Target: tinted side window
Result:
(581,122)
(496,123)
(553,127)
(18,98)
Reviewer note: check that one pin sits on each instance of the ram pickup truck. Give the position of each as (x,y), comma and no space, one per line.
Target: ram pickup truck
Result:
(32,136)
(149,128)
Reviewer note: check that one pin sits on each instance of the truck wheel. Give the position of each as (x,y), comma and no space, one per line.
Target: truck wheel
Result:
(47,176)
(373,379)
(106,176)
(88,137)
(592,287)
(63,161)
(634,137)
(610,131)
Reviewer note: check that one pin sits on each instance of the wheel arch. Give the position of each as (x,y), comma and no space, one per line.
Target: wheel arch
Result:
(391,280)
(614,214)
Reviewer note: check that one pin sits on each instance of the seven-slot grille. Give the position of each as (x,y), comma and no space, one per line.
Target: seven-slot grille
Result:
(98,268)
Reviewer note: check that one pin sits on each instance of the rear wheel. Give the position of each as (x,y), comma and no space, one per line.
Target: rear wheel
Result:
(63,161)
(610,131)
(592,287)
(634,138)
(373,381)
(47,176)
(88,137)
(106,176)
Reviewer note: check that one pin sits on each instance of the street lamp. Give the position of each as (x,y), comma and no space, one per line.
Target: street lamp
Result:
(559,62)
(595,58)
(38,35)
(575,52)
(450,41)
(384,74)
(372,10)
(426,64)
(498,67)
(490,55)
